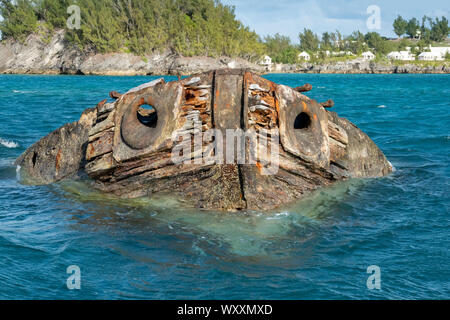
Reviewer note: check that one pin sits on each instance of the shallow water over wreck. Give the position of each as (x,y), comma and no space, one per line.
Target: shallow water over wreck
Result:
(318,248)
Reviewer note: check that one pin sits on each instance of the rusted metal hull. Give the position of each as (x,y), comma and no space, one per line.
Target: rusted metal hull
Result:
(125,156)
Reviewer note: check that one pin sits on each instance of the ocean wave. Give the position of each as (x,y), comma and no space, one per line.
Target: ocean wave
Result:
(8,144)
(394,169)
(23,91)
(18,172)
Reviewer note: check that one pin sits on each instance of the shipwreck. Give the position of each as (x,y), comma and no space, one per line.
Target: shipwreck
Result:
(137,144)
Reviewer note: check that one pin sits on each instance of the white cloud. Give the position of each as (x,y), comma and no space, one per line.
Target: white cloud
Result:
(290,17)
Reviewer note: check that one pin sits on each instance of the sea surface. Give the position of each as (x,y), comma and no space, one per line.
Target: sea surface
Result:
(318,248)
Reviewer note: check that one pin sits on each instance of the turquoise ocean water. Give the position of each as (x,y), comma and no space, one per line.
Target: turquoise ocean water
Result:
(319,248)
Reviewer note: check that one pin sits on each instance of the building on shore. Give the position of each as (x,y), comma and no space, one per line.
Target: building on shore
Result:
(368,55)
(434,54)
(304,56)
(266,61)
(401,55)
(429,56)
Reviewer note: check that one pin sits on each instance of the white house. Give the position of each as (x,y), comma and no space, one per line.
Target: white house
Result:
(368,55)
(440,51)
(430,56)
(407,55)
(401,55)
(266,61)
(304,56)
(435,53)
(394,55)
(426,56)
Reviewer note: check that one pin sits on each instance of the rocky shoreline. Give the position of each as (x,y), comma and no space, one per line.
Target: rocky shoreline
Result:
(360,66)
(57,56)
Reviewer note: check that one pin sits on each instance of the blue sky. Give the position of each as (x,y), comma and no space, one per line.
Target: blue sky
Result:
(289,17)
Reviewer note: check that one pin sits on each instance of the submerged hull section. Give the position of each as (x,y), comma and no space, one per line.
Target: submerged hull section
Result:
(226,140)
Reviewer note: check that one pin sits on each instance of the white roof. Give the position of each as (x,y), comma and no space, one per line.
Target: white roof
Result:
(429,54)
(368,53)
(440,50)
(304,54)
(402,53)
(266,60)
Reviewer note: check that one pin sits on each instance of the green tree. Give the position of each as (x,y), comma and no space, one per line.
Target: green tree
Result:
(373,39)
(425,31)
(439,29)
(326,43)
(54,12)
(412,27)
(356,42)
(380,44)
(339,40)
(100,27)
(403,43)
(19,19)
(187,27)
(400,26)
(308,40)
(280,49)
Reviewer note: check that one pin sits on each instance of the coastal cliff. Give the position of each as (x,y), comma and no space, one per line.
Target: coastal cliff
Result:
(36,55)
(55,55)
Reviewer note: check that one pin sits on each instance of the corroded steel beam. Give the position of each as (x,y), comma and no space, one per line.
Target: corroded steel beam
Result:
(305,88)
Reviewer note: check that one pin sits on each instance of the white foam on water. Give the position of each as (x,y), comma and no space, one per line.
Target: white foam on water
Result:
(394,169)
(382,106)
(8,144)
(18,172)
(22,91)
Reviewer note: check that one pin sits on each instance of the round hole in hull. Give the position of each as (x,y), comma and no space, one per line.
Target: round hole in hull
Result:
(147,115)
(302,121)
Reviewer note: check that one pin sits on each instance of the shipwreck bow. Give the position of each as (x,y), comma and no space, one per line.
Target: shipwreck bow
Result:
(146,143)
